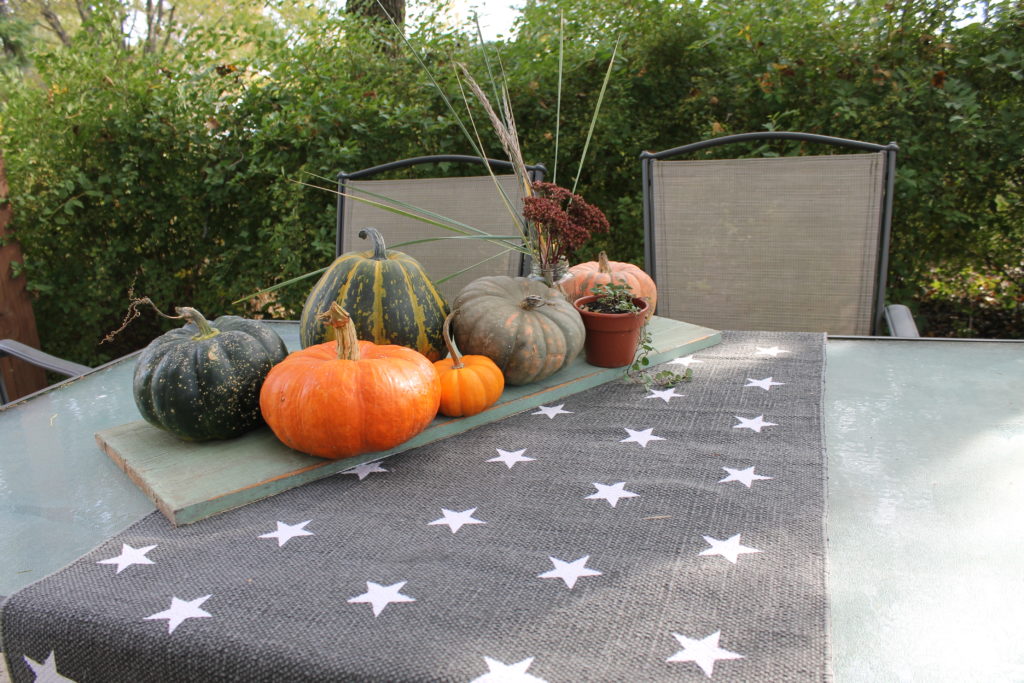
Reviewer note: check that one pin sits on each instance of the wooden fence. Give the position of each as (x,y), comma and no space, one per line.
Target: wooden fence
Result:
(16,319)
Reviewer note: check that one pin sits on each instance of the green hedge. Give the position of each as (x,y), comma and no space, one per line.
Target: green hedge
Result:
(181,176)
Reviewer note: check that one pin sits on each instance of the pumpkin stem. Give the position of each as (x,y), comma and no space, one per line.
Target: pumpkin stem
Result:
(344,331)
(452,351)
(195,317)
(380,251)
(531,302)
(602,264)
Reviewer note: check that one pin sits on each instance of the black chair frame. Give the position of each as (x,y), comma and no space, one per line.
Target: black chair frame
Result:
(15,349)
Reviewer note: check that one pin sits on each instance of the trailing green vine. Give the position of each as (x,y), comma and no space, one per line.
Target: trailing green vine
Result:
(641,372)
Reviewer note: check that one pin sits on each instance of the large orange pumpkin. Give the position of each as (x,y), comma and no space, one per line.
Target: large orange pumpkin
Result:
(469,384)
(347,397)
(602,271)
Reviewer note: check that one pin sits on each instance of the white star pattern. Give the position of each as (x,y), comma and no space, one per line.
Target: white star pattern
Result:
(286,532)
(642,436)
(510,457)
(611,493)
(753,423)
(129,556)
(551,411)
(767,383)
(381,596)
(730,548)
(180,610)
(499,672)
(366,469)
(46,672)
(665,394)
(456,520)
(569,571)
(690,651)
(685,361)
(745,477)
(704,652)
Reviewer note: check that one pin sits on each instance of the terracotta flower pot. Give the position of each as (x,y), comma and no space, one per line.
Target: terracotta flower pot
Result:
(612,338)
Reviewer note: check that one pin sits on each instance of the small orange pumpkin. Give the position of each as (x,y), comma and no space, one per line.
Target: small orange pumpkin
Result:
(469,384)
(347,397)
(587,275)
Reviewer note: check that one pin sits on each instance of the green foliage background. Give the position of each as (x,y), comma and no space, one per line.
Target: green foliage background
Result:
(174,175)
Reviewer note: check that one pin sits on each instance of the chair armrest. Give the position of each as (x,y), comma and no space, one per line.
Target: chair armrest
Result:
(900,321)
(9,347)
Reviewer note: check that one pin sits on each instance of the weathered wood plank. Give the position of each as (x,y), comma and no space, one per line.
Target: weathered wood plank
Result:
(192,481)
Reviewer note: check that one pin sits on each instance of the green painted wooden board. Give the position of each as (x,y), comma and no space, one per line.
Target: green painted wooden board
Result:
(191,481)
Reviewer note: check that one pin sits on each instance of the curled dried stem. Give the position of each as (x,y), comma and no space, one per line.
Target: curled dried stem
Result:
(134,312)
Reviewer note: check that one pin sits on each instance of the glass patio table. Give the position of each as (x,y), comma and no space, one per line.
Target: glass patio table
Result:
(925,518)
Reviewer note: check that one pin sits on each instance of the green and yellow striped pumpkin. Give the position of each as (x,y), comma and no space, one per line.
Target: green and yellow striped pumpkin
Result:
(388,295)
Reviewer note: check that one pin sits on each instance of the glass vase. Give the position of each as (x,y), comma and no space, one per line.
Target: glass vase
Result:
(552,274)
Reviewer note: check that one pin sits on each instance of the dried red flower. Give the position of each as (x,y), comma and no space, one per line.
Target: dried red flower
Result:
(563,221)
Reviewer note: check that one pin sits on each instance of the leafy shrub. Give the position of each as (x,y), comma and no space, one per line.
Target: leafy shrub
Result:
(178,174)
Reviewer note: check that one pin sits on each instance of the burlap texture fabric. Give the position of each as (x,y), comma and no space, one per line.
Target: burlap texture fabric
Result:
(544,579)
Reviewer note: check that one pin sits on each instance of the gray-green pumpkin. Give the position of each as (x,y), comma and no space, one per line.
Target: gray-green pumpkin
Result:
(528,329)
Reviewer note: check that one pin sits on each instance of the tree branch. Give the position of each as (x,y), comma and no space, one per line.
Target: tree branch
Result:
(170,28)
(84,10)
(53,23)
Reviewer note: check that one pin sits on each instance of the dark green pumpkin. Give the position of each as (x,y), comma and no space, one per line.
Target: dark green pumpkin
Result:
(388,295)
(202,381)
(528,329)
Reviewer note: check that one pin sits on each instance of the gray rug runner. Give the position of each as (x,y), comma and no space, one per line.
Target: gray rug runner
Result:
(622,536)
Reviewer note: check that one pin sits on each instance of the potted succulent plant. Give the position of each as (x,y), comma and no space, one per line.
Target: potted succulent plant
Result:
(613,317)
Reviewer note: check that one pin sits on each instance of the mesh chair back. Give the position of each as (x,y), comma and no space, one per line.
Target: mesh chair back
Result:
(787,243)
(474,201)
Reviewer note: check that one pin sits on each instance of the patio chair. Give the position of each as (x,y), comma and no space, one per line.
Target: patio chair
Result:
(15,349)
(473,200)
(796,243)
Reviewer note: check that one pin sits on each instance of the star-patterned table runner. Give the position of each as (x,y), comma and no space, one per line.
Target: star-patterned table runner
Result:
(622,535)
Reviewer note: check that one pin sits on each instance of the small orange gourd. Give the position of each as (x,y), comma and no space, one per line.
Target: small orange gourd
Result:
(469,384)
(348,397)
(587,275)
